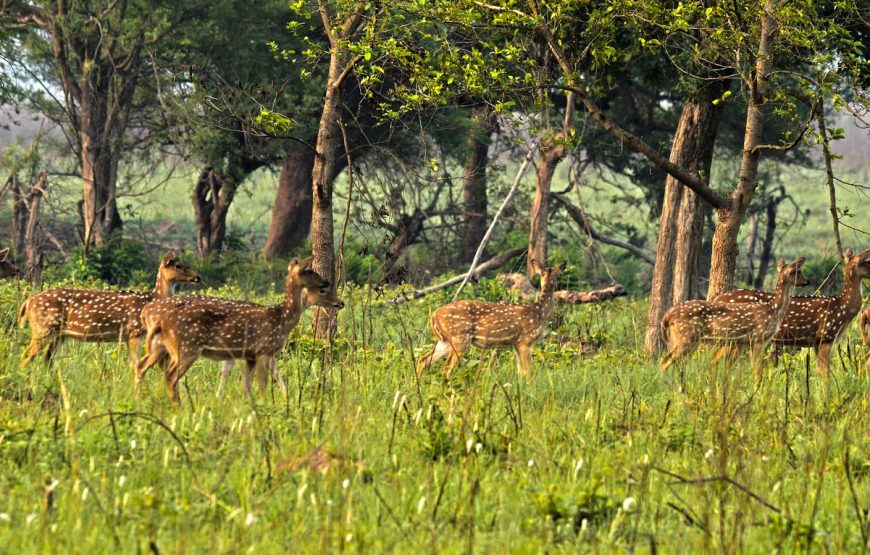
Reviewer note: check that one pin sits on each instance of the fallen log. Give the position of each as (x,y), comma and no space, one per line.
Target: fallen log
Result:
(521,284)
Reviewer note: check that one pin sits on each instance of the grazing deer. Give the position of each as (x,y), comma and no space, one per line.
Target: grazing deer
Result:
(96,316)
(816,321)
(186,328)
(7,268)
(463,323)
(730,325)
(322,297)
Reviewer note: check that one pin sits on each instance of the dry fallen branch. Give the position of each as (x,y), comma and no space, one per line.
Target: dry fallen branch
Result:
(496,261)
(521,284)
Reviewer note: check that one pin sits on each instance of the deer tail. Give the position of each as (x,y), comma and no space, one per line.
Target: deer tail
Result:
(22,314)
(666,325)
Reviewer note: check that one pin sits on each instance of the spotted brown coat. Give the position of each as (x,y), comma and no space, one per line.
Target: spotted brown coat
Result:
(816,321)
(96,316)
(732,326)
(461,324)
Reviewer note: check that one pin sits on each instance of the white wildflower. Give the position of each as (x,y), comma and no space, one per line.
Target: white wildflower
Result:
(628,504)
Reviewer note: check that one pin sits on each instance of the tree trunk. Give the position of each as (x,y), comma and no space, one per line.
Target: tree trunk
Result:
(552,152)
(767,242)
(322,234)
(19,218)
(474,181)
(291,212)
(32,251)
(675,274)
(723,262)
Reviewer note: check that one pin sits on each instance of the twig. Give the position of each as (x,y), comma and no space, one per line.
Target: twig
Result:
(495,218)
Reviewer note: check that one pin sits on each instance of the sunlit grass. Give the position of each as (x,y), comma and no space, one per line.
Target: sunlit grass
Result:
(595,451)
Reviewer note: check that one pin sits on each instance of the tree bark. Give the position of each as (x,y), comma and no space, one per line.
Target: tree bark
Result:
(291,212)
(31,240)
(676,269)
(552,152)
(723,262)
(474,180)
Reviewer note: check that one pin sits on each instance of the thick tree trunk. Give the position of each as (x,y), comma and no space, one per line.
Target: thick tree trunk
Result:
(723,263)
(291,212)
(19,218)
(474,181)
(675,274)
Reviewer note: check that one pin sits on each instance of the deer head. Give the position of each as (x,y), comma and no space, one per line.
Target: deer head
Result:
(7,268)
(790,274)
(172,271)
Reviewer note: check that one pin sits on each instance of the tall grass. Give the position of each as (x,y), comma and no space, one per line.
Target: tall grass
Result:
(594,452)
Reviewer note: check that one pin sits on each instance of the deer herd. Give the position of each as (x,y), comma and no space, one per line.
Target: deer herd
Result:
(179,330)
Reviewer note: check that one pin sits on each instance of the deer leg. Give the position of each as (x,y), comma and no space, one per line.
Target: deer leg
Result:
(154,353)
(823,358)
(33,349)
(276,375)
(248,377)
(176,373)
(53,345)
(456,350)
(133,354)
(260,365)
(524,352)
(439,351)
(226,370)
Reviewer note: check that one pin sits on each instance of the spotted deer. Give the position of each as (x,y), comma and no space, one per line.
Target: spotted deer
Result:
(96,316)
(816,321)
(184,329)
(461,324)
(731,326)
(322,297)
(7,268)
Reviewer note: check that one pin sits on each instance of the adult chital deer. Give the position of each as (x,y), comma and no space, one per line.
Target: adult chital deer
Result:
(186,328)
(461,324)
(322,297)
(816,321)
(7,268)
(731,326)
(96,316)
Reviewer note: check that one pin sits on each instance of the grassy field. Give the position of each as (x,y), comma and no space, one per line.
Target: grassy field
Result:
(596,452)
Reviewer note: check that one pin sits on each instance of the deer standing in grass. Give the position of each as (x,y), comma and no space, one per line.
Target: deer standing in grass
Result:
(7,268)
(96,316)
(461,324)
(183,329)
(321,297)
(816,321)
(731,326)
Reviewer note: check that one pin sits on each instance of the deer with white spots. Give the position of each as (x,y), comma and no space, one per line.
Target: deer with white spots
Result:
(460,324)
(320,297)
(731,326)
(184,329)
(816,321)
(96,316)
(7,268)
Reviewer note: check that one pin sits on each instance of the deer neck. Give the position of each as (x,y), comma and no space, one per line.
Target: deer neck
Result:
(163,288)
(781,298)
(851,296)
(546,302)
(292,306)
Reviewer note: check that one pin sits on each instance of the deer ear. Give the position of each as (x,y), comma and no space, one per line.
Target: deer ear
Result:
(780,264)
(561,267)
(800,262)
(537,267)
(847,254)
(4,253)
(167,258)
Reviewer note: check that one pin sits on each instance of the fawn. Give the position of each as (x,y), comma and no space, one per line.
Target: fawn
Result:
(186,328)
(737,325)
(321,297)
(96,316)
(463,323)
(816,321)
(7,268)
